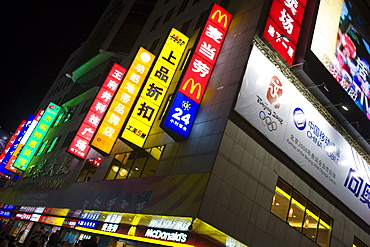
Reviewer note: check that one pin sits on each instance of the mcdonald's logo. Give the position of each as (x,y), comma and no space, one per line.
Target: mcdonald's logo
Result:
(220,17)
(192,87)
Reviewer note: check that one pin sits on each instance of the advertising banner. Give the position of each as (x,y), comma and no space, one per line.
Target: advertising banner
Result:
(270,102)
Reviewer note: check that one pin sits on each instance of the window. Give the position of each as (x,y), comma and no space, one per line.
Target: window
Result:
(185,26)
(183,6)
(155,23)
(202,19)
(301,214)
(196,1)
(89,169)
(44,146)
(168,16)
(154,45)
(358,243)
(53,144)
(135,164)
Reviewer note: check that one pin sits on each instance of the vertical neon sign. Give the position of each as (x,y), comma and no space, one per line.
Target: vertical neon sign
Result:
(146,108)
(80,144)
(113,121)
(37,136)
(181,114)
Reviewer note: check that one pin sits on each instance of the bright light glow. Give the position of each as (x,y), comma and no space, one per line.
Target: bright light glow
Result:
(146,57)
(330,149)
(345,107)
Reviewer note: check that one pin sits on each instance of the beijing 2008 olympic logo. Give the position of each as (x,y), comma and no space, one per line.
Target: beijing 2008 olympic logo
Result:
(267,121)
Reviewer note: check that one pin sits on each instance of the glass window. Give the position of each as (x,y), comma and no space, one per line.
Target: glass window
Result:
(168,16)
(311,221)
(135,164)
(358,243)
(281,200)
(155,23)
(296,211)
(53,144)
(324,231)
(87,172)
(301,214)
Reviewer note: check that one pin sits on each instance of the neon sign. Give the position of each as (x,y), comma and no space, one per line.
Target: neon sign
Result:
(80,144)
(285,18)
(181,114)
(113,121)
(146,108)
(37,137)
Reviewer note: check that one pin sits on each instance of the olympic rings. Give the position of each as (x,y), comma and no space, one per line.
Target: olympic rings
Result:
(266,121)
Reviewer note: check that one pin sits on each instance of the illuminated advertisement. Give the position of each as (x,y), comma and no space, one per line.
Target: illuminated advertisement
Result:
(4,213)
(11,141)
(181,114)
(80,144)
(272,104)
(9,166)
(16,142)
(341,44)
(113,121)
(37,136)
(146,108)
(285,18)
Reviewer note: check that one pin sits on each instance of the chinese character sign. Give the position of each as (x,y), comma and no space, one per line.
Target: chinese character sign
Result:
(80,144)
(113,121)
(181,114)
(146,108)
(9,165)
(16,142)
(12,139)
(37,137)
(285,18)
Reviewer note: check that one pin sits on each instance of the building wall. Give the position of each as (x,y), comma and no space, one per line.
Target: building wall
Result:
(240,191)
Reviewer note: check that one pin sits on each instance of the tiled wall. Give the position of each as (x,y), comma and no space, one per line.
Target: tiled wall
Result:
(239,194)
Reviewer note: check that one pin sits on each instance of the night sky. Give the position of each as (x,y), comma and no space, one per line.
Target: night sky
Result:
(37,39)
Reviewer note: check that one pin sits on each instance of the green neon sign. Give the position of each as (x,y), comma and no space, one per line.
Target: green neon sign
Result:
(37,136)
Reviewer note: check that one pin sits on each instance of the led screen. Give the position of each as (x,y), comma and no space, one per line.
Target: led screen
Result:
(340,42)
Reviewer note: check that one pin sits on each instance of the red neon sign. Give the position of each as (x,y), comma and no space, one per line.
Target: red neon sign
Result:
(80,144)
(201,65)
(285,18)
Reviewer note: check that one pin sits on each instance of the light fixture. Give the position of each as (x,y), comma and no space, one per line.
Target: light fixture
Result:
(290,212)
(319,85)
(306,223)
(339,104)
(286,38)
(273,200)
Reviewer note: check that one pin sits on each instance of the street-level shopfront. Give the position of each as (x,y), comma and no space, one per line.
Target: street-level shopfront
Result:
(116,229)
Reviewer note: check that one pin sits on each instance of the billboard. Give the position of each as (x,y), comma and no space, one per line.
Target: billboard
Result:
(155,88)
(272,104)
(285,18)
(113,121)
(37,137)
(80,144)
(341,42)
(182,112)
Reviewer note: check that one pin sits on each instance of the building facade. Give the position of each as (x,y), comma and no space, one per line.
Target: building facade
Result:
(241,159)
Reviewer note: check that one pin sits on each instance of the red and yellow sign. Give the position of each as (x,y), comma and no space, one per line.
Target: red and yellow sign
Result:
(113,121)
(146,109)
(80,144)
(181,114)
